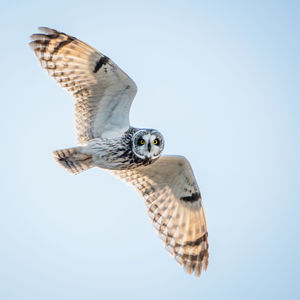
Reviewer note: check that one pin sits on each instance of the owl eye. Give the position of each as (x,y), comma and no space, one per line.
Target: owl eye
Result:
(141,142)
(156,142)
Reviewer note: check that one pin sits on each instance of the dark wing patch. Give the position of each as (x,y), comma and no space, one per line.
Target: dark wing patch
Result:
(194,197)
(101,62)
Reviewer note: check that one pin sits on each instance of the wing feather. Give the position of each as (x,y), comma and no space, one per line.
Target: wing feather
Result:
(175,207)
(103,92)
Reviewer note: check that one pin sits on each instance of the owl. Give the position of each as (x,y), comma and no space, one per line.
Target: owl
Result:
(103,95)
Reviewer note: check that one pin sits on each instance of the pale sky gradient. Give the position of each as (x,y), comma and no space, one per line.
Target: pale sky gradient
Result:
(220,80)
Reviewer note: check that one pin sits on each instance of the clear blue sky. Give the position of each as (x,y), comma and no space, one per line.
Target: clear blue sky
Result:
(220,80)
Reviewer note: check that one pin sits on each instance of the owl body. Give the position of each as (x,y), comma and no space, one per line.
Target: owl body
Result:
(117,153)
(103,95)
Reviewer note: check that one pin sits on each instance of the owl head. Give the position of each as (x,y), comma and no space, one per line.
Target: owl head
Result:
(147,143)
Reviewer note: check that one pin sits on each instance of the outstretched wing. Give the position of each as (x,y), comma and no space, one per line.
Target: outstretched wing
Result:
(103,92)
(174,204)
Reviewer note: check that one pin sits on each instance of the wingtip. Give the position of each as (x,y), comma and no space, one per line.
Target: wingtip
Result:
(43,34)
(36,36)
(47,30)
(41,30)
(32,44)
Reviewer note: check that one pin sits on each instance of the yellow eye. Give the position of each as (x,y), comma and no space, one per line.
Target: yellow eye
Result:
(141,141)
(156,142)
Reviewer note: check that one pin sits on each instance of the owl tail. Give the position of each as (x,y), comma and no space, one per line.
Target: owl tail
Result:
(73,160)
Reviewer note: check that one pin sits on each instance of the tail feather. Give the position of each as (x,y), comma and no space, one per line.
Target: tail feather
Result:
(73,160)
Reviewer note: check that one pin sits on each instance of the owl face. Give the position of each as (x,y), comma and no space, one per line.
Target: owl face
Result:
(147,144)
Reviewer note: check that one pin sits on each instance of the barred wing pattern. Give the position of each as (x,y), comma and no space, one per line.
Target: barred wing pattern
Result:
(174,204)
(103,92)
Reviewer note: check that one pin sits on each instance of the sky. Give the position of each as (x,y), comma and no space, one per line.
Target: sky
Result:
(220,80)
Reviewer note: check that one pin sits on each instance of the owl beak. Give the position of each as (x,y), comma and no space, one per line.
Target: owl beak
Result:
(149,147)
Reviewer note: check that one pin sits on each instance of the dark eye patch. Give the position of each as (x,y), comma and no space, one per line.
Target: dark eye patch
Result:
(156,142)
(141,142)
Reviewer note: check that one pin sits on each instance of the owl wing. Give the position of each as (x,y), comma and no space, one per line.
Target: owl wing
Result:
(174,204)
(102,91)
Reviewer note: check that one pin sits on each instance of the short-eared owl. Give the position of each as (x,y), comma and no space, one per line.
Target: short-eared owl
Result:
(103,95)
